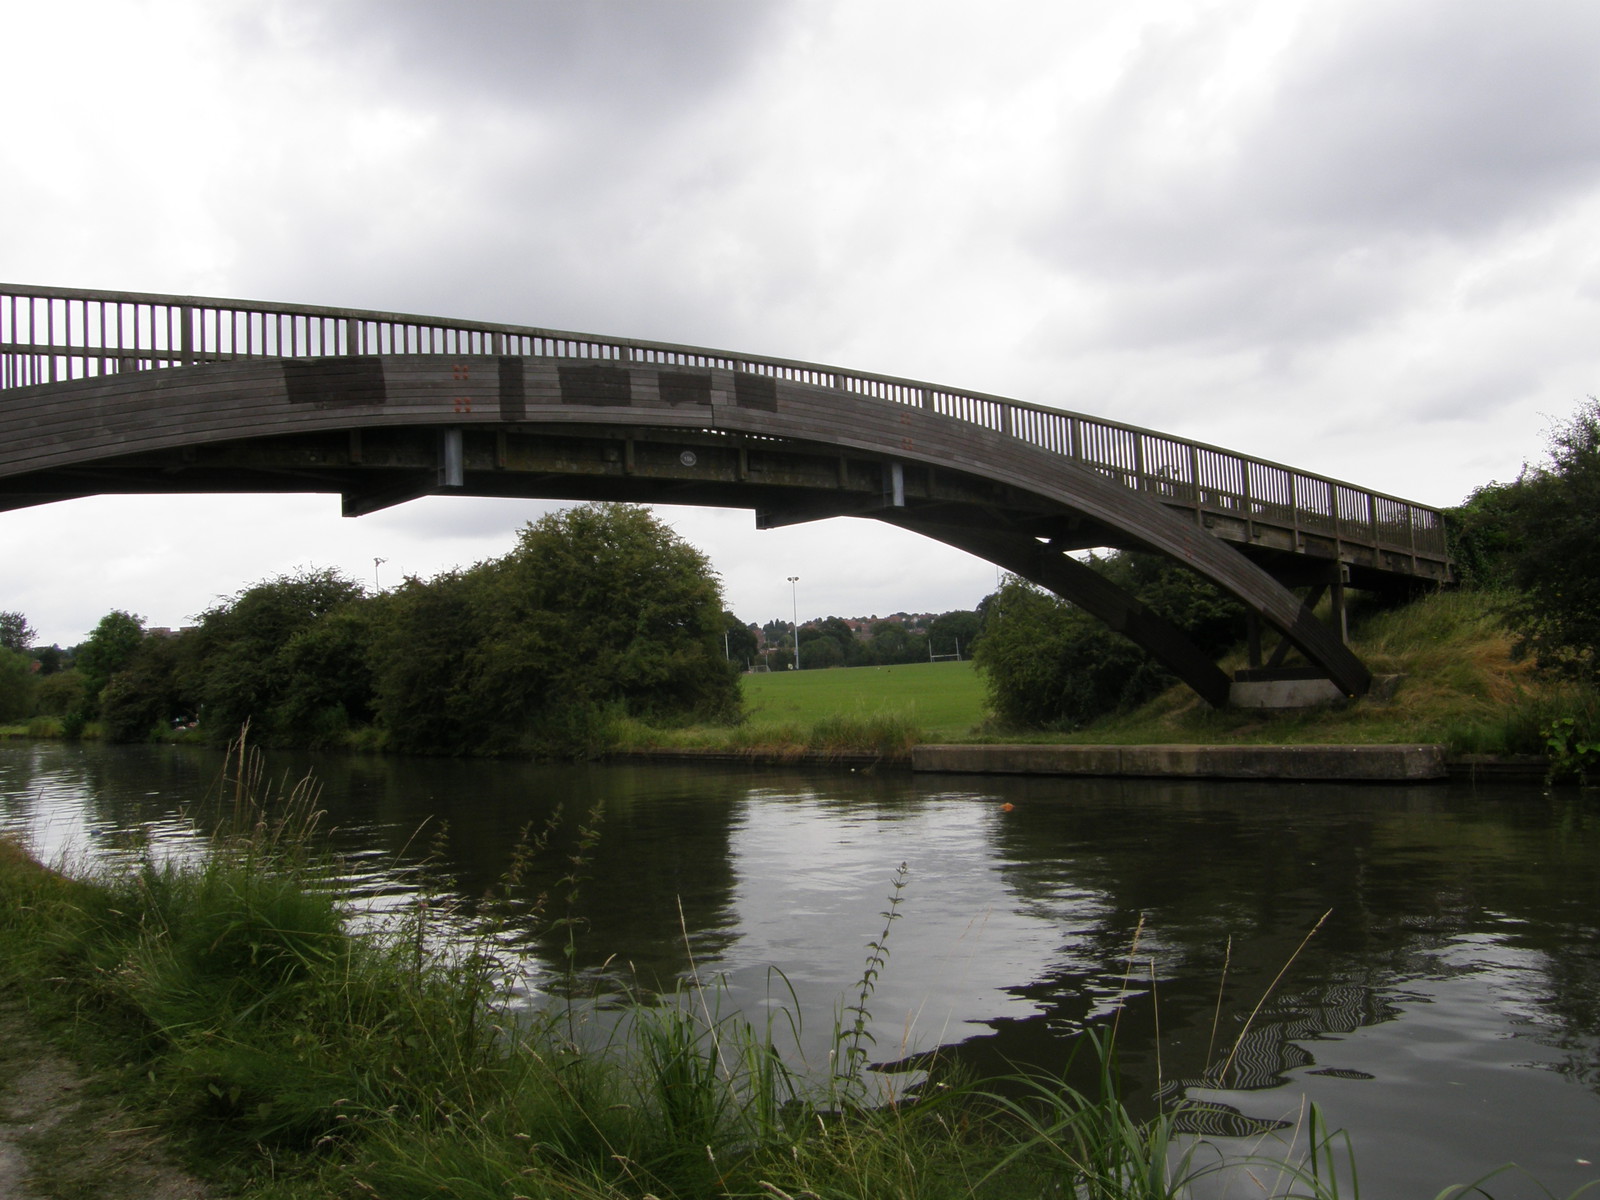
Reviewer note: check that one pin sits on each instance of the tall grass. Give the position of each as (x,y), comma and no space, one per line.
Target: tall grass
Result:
(293,1057)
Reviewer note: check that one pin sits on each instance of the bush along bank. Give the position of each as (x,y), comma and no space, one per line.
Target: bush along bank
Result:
(290,1055)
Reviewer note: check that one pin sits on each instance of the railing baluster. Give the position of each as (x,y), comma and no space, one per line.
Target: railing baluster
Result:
(40,343)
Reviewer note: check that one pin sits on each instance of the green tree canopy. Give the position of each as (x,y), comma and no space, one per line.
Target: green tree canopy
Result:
(893,643)
(17,685)
(739,639)
(599,608)
(1486,535)
(15,632)
(1552,544)
(111,646)
(147,693)
(424,656)
(60,694)
(51,658)
(1048,664)
(953,632)
(250,657)
(830,642)
(819,650)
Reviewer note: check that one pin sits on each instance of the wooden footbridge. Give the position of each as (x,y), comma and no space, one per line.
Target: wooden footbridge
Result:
(120,392)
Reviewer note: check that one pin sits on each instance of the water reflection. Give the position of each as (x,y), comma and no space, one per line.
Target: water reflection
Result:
(1447,1010)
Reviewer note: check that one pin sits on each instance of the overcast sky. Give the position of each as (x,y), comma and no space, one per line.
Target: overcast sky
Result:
(1358,236)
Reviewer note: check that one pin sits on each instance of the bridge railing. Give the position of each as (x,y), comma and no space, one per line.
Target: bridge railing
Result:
(56,334)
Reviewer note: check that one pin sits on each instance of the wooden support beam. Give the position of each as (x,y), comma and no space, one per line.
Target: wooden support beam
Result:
(1341,617)
(413,486)
(1089,590)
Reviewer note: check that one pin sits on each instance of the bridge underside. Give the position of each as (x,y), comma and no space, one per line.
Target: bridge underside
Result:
(113,393)
(784,480)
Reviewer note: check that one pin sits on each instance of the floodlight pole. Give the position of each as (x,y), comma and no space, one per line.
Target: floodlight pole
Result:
(794,598)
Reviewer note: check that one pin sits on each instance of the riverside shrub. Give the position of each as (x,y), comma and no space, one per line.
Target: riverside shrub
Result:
(600,611)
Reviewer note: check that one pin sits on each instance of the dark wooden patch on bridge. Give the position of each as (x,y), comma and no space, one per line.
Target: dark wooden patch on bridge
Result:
(335,382)
(684,387)
(755,391)
(513,390)
(608,386)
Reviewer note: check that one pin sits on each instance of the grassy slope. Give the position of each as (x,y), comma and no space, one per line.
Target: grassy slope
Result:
(1458,684)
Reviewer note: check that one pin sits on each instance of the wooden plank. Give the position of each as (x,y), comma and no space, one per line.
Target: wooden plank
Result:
(113,416)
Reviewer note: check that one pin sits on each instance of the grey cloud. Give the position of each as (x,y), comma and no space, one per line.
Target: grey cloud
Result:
(1478,385)
(1278,301)
(636,58)
(1448,118)
(1389,135)
(1445,119)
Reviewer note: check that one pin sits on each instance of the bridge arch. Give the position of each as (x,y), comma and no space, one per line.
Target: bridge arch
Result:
(381,408)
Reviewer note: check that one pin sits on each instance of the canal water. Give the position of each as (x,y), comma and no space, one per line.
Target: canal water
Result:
(1439,946)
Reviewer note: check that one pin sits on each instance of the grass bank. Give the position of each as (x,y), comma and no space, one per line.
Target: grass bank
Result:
(847,710)
(232,1008)
(1456,683)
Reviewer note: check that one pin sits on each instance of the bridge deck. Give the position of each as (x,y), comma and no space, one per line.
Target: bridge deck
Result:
(52,335)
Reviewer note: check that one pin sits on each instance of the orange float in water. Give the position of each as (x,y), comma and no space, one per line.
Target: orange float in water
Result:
(1007,807)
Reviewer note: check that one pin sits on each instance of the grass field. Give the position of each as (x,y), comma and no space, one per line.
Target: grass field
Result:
(1456,681)
(942,699)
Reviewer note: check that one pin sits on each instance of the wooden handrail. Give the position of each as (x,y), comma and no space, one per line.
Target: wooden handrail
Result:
(50,334)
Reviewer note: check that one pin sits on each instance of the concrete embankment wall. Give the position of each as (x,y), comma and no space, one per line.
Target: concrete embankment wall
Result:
(1332,763)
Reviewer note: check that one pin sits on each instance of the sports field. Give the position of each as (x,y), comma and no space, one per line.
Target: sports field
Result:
(942,699)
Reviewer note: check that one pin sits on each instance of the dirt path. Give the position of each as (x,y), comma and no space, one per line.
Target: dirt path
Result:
(60,1139)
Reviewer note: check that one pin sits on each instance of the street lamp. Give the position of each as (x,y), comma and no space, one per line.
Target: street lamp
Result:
(376,563)
(794,597)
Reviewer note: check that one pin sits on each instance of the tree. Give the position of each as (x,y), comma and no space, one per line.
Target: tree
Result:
(426,638)
(829,642)
(599,610)
(15,632)
(1048,664)
(1555,566)
(739,639)
(52,658)
(954,632)
(60,694)
(110,647)
(147,694)
(250,662)
(328,688)
(1485,533)
(892,643)
(1213,620)
(819,650)
(16,685)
